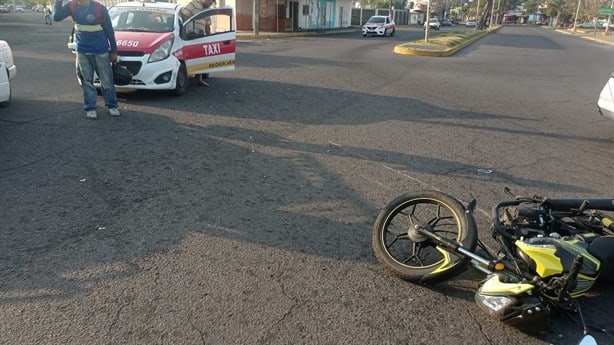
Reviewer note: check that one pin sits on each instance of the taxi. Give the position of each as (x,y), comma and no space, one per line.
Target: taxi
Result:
(379,25)
(161,51)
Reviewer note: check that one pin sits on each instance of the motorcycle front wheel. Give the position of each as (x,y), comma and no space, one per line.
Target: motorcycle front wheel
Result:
(412,256)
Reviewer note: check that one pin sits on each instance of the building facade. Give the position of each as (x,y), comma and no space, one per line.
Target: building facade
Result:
(291,15)
(282,15)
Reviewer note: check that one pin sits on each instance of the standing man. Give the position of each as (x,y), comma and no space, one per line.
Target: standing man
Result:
(47,13)
(95,49)
(201,27)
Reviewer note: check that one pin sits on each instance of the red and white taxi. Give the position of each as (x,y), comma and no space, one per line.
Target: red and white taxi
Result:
(161,50)
(379,25)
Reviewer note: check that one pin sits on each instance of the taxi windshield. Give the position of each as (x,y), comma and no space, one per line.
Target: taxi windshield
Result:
(142,19)
(377,20)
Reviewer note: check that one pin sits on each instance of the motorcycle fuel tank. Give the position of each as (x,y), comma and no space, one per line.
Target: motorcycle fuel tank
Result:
(550,257)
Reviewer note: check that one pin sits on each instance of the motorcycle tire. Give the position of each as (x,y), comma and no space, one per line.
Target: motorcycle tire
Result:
(412,256)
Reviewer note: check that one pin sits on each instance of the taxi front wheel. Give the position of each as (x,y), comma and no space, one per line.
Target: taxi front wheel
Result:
(181,84)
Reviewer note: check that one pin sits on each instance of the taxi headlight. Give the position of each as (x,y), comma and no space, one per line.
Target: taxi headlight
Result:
(162,52)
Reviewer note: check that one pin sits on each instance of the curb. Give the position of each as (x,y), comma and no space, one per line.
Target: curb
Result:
(406,49)
(268,35)
(584,35)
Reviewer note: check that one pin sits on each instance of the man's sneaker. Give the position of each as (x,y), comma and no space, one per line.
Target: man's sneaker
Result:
(114,111)
(91,114)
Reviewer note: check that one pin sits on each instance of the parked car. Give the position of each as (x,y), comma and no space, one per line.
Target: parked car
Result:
(379,25)
(470,24)
(18,9)
(593,25)
(433,24)
(161,51)
(4,9)
(8,71)
(446,22)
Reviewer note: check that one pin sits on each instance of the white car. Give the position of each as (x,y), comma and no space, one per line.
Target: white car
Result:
(161,51)
(433,24)
(379,25)
(8,71)
(606,99)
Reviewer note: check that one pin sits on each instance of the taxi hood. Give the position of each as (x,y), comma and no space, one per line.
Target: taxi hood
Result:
(146,42)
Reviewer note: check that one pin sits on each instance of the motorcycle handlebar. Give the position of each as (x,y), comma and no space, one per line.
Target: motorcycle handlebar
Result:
(567,204)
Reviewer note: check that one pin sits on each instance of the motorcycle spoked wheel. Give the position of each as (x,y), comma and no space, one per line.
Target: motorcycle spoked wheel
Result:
(412,256)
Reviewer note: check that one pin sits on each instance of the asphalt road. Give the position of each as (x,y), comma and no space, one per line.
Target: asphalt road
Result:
(241,213)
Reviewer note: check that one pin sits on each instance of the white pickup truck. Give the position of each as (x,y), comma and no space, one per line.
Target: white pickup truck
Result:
(8,71)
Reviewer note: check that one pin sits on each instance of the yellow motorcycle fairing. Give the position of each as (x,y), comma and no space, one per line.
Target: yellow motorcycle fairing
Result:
(544,256)
(449,261)
(555,256)
(583,284)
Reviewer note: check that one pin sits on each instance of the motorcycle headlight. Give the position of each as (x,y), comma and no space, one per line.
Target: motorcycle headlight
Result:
(162,52)
(495,305)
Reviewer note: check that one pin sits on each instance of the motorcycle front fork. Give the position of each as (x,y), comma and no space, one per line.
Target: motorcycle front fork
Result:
(482,264)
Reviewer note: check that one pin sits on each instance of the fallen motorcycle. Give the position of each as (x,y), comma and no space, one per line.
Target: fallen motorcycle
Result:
(550,251)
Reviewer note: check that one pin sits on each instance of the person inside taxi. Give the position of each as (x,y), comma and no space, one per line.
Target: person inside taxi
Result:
(95,48)
(202,27)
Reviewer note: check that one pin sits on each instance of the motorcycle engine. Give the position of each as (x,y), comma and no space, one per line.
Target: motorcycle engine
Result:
(528,217)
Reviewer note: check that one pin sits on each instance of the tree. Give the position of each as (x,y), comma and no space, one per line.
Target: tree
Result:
(398,4)
(557,9)
(484,15)
(531,6)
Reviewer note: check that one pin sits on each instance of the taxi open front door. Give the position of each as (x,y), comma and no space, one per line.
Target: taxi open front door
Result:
(214,52)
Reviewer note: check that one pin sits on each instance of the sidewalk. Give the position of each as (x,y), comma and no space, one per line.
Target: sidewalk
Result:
(593,35)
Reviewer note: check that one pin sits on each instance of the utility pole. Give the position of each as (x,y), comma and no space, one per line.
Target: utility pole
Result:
(256,17)
(426,21)
(607,25)
(575,20)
